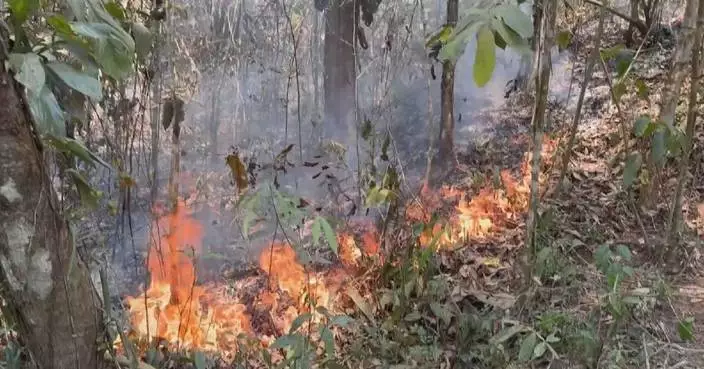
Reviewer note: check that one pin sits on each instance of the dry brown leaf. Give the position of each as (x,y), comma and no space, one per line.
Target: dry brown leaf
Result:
(239,173)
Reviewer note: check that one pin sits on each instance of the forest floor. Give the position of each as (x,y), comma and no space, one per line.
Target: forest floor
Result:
(600,296)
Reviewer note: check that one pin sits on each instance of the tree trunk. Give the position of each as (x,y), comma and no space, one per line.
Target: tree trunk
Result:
(47,289)
(340,70)
(676,213)
(542,82)
(447,90)
(671,91)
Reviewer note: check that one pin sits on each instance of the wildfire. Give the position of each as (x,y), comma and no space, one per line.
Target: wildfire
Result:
(175,309)
(482,215)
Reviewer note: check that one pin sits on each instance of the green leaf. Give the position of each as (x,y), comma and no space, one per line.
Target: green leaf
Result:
(60,25)
(539,350)
(316,230)
(610,53)
(441,36)
(552,338)
(658,147)
(527,347)
(284,341)
(115,10)
(47,113)
(624,252)
(563,39)
(485,57)
(507,333)
(499,41)
(89,196)
(515,18)
(199,360)
(327,337)
(642,89)
(113,48)
(142,40)
(641,125)
(457,43)
(29,71)
(441,311)
(77,80)
(413,316)
(509,36)
(685,328)
(630,172)
(619,89)
(72,147)
(341,320)
(602,257)
(298,322)
(22,9)
(330,236)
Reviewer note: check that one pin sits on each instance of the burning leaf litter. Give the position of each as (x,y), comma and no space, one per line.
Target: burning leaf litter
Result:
(176,309)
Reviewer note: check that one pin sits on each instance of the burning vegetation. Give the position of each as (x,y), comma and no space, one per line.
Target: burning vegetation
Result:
(178,311)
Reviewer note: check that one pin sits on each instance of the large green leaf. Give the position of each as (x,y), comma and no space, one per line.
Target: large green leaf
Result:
(641,125)
(28,71)
(77,80)
(72,147)
(516,19)
(630,172)
(112,50)
(457,43)
(329,234)
(89,196)
(527,346)
(47,113)
(142,40)
(485,57)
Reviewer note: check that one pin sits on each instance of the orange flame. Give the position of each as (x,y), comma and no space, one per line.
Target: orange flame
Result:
(482,215)
(174,308)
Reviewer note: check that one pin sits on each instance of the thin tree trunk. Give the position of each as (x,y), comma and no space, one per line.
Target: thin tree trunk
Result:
(593,58)
(671,91)
(542,82)
(676,213)
(628,37)
(447,90)
(340,70)
(155,114)
(47,290)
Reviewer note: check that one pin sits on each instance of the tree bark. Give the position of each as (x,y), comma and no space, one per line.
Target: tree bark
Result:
(340,69)
(542,82)
(447,90)
(671,91)
(676,212)
(47,289)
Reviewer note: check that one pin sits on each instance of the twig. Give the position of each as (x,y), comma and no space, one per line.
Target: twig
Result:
(645,352)
(636,22)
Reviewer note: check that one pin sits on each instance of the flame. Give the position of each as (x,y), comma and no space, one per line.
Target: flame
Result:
(482,215)
(174,308)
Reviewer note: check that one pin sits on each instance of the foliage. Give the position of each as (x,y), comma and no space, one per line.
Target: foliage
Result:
(498,26)
(77,55)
